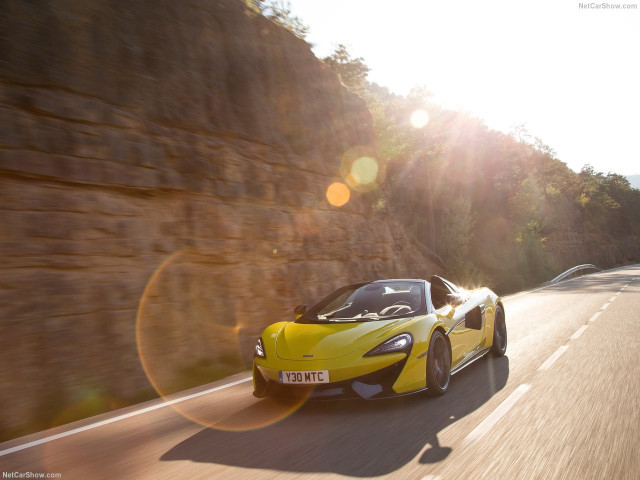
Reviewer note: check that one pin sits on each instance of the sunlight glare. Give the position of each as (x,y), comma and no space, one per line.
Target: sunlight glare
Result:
(419,119)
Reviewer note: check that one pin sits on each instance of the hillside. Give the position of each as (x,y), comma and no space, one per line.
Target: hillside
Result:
(497,209)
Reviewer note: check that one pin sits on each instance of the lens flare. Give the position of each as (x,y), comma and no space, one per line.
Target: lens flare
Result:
(361,169)
(338,194)
(419,119)
(187,334)
(364,170)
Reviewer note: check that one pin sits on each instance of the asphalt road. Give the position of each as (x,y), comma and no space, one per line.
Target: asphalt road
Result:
(563,403)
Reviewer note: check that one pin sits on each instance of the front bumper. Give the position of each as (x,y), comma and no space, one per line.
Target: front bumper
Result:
(376,384)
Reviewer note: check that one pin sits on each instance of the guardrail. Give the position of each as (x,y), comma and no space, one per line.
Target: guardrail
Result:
(573,270)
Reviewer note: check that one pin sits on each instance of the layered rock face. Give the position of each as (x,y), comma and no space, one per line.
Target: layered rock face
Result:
(163,177)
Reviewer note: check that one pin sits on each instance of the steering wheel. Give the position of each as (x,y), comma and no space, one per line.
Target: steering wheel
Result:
(399,306)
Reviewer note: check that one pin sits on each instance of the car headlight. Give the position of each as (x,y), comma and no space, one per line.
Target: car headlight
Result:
(399,343)
(260,349)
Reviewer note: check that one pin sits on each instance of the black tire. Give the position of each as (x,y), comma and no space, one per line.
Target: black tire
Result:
(438,364)
(499,347)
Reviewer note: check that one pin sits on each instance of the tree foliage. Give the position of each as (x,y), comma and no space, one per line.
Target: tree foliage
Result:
(280,12)
(485,201)
(351,71)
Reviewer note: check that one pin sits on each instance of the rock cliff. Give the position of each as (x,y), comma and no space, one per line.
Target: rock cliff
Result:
(163,177)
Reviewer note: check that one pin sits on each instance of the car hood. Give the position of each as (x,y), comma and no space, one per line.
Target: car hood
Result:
(323,341)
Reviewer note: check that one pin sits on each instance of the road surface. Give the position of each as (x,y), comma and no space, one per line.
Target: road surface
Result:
(563,403)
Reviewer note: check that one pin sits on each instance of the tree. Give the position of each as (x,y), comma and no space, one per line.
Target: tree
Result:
(351,71)
(457,233)
(280,12)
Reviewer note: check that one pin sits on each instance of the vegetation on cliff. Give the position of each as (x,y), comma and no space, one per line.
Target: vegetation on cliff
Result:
(483,201)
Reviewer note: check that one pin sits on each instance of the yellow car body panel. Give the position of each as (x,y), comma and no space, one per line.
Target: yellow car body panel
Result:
(341,347)
(328,341)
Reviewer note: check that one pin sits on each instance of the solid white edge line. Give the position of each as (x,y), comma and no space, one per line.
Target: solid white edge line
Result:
(115,419)
(579,332)
(594,316)
(551,360)
(493,418)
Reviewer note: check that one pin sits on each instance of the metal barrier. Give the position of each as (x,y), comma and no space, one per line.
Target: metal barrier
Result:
(573,270)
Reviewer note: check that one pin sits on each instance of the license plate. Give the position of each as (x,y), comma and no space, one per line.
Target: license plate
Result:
(305,378)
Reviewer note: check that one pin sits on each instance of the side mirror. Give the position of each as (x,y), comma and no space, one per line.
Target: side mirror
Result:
(299,310)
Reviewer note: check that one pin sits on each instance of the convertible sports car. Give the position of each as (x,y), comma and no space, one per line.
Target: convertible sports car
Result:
(378,339)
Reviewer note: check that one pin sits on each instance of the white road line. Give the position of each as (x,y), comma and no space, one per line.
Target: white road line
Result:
(115,419)
(604,306)
(551,360)
(493,418)
(594,316)
(612,299)
(579,332)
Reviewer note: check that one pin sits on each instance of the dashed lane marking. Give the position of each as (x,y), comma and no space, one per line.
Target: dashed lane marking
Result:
(552,359)
(594,316)
(579,332)
(502,409)
(495,416)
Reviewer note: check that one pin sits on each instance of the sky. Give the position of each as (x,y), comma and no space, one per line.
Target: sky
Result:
(571,75)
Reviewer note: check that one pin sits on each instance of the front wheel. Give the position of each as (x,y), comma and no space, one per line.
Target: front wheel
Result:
(499,333)
(438,364)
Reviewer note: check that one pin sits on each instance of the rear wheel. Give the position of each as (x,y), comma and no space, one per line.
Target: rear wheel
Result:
(499,333)
(438,364)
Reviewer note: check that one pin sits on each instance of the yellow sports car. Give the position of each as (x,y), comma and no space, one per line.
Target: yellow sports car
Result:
(377,339)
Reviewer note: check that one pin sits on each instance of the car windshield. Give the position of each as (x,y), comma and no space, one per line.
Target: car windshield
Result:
(369,301)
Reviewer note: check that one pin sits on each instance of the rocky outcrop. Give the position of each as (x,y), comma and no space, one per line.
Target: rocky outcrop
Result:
(163,178)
